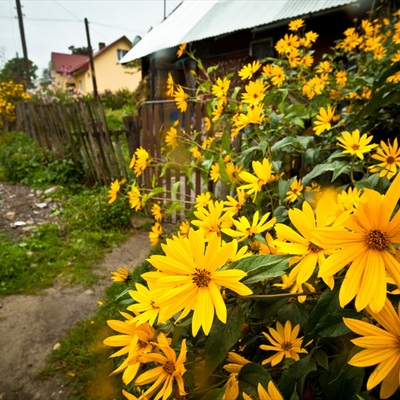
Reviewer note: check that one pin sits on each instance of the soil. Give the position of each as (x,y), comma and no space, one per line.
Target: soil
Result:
(31,325)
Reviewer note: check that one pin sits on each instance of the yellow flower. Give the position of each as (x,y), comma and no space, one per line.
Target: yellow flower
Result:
(366,247)
(184,228)
(341,77)
(203,199)
(170,86)
(113,192)
(254,92)
(245,230)
(284,342)
(171,137)
(233,172)
(389,157)
(155,234)
(287,44)
(289,282)
(145,308)
(324,120)
(121,275)
(156,212)
(215,172)
(310,38)
(296,24)
(381,348)
(180,98)
(271,393)
(193,275)
(236,363)
(249,70)
(181,50)
(308,255)
(196,152)
(142,160)
(356,145)
(134,198)
(220,89)
(234,205)
(263,175)
(170,370)
(294,191)
(134,341)
(212,218)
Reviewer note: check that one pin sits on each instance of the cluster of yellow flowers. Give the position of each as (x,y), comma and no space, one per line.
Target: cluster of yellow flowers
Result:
(304,237)
(10,93)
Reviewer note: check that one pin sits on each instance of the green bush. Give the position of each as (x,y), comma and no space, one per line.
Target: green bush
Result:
(23,160)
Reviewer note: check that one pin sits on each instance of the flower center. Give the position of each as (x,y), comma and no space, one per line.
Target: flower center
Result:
(390,160)
(286,346)
(169,367)
(142,344)
(355,146)
(201,278)
(313,248)
(377,240)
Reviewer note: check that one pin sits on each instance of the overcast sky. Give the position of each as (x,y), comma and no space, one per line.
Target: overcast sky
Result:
(54,25)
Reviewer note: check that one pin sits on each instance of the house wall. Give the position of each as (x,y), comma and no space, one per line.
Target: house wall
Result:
(110,75)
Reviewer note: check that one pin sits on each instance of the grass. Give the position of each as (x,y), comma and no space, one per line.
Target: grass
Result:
(88,228)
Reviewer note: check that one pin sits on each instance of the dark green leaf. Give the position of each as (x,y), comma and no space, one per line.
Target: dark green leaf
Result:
(221,339)
(250,375)
(342,381)
(296,375)
(215,394)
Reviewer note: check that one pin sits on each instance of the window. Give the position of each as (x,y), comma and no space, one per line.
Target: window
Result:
(261,48)
(121,53)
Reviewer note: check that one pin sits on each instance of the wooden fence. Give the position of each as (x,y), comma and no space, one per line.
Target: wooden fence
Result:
(79,131)
(156,118)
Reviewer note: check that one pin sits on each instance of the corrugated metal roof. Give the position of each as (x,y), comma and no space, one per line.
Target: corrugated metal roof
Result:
(195,20)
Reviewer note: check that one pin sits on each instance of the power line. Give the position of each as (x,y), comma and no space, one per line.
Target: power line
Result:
(73,21)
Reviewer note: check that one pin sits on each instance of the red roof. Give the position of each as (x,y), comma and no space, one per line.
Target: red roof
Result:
(70,63)
(67,63)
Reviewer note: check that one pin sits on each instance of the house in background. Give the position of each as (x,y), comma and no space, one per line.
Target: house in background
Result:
(73,70)
(234,33)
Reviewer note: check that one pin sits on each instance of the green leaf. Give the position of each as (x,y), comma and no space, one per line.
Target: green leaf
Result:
(152,194)
(261,267)
(176,206)
(221,339)
(322,359)
(250,375)
(294,312)
(215,394)
(175,188)
(338,167)
(296,374)
(341,381)
(222,170)
(212,68)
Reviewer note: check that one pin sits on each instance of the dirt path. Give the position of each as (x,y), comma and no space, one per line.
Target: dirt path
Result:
(30,326)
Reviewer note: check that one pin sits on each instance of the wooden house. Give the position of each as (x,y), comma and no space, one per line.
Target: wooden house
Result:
(233,33)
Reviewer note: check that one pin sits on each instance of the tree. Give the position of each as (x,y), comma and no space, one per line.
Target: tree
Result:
(79,50)
(14,70)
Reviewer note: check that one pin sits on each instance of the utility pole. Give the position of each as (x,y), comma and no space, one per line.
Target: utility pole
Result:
(96,95)
(24,50)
